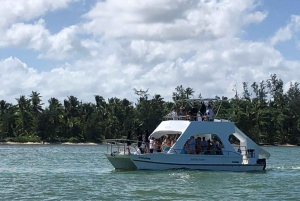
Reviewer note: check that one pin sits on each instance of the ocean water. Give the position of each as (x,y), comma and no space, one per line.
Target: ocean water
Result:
(66,172)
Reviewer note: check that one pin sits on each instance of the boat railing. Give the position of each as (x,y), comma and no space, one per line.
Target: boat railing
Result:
(245,153)
(194,118)
(119,146)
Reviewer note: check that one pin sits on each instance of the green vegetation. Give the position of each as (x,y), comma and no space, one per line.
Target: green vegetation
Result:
(267,115)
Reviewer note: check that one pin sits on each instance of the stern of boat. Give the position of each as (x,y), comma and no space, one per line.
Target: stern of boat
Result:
(120,161)
(118,154)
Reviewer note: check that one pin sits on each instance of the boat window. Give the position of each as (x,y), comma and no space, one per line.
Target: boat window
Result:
(234,141)
(208,144)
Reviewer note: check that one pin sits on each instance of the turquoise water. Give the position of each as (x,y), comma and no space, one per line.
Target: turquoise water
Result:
(65,172)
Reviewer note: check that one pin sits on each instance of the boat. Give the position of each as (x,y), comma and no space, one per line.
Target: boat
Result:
(221,156)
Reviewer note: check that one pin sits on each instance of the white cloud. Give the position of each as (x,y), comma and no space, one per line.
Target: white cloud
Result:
(16,78)
(171,20)
(35,36)
(148,44)
(24,10)
(286,33)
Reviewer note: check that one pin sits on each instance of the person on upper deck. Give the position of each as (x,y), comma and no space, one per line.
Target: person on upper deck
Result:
(203,111)
(209,113)
(193,113)
(181,111)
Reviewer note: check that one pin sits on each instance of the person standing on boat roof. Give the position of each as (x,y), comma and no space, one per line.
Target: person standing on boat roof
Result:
(203,111)
(209,113)
(181,111)
(193,113)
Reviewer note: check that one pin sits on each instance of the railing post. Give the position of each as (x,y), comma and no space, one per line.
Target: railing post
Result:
(110,148)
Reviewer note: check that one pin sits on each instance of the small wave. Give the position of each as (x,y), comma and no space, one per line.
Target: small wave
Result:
(286,168)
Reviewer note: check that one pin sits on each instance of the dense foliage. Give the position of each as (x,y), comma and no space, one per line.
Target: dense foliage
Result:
(267,115)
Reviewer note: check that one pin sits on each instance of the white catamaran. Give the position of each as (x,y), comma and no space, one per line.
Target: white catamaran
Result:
(221,155)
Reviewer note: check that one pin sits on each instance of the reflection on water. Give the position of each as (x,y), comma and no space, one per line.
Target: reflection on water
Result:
(32,172)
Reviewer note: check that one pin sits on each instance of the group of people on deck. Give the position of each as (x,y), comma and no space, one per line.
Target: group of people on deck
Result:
(192,146)
(164,145)
(151,145)
(198,146)
(194,115)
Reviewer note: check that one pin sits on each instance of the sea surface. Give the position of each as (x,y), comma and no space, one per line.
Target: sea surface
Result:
(67,172)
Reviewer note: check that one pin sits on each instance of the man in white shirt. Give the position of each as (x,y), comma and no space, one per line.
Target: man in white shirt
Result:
(209,113)
(151,144)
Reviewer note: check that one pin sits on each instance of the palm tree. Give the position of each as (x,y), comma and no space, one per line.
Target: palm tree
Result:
(36,102)
(7,119)
(189,92)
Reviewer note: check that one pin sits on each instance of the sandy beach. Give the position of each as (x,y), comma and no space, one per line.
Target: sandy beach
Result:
(47,143)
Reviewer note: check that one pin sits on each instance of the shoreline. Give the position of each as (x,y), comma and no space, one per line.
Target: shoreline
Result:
(95,144)
(47,143)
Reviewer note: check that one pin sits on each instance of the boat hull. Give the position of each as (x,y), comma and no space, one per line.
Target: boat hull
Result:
(169,161)
(121,161)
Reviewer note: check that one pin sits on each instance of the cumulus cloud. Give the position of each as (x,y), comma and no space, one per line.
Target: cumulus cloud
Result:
(23,10)
(147,44)
(171,20)
(286,33)
(35,36)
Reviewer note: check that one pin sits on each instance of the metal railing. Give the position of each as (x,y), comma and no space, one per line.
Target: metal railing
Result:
(119,146)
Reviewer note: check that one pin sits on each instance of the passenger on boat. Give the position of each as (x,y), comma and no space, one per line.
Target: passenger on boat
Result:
(173,140)
(209,113)
(151,144)
(193,113)
(146,141)
(198,145)
(202,110)
(219,148)
(185,148)
(191,145)
(181,111)
(199,118)
(203,145)
(140,141)
(128,142)
(156,146)
(209,147)
(166,145)
(173,114)
(205,117)
(214,147)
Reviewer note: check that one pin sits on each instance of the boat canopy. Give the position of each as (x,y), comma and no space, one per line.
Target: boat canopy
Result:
(170,127)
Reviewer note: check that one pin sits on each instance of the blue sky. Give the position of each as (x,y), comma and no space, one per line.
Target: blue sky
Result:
(116,47)
(279,14)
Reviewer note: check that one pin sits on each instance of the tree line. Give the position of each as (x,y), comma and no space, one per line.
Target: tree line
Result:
(263,111)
